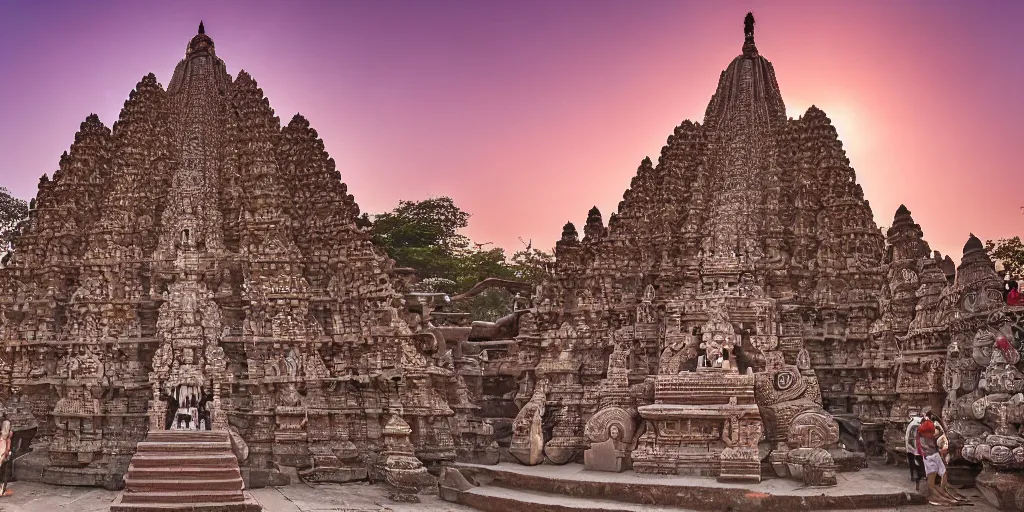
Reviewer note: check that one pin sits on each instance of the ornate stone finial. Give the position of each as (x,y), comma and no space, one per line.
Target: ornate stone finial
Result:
(569,233)
(200,43)
(948,267)
(595,225)
(749,50)
(973,244)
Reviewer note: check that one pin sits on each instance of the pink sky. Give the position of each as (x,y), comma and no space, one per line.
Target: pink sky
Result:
(528,113)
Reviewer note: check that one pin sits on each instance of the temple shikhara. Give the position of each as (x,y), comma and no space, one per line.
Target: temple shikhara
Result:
(192,292)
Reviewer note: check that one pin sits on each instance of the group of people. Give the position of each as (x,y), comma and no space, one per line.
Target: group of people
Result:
(927,455)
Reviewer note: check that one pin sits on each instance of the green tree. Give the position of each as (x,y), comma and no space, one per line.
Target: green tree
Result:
(531,265)
(1009,252)
(431,222)
(12,212)
(425,235)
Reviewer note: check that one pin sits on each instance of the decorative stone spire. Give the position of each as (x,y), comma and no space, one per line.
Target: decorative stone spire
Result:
(569,233)
(749,50)
(976,271)
(748,94)
(200,43)
(973,244)
(595,225)
(906,237)
(949,268)
(569,242)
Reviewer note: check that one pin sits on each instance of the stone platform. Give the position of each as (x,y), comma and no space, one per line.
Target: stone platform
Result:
(353,497)
(35,467)
(548,488)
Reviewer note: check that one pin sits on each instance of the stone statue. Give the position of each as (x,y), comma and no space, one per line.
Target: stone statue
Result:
(611,433)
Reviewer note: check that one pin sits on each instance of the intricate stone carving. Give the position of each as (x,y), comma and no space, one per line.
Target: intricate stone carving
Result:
(200,267)
(612,433)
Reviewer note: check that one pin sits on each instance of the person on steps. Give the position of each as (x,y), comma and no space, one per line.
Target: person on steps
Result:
(934,466)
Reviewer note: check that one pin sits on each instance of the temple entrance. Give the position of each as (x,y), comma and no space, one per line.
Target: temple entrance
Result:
(188,408)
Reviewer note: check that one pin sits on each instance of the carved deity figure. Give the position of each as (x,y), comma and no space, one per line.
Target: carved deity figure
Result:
(292,363)
(611,432)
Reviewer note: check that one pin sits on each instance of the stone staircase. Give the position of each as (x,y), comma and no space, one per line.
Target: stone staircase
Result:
(184,471)
(569,488)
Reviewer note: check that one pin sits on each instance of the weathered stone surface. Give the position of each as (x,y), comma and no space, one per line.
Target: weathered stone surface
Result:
(879,488)
(748,248)
(199,267)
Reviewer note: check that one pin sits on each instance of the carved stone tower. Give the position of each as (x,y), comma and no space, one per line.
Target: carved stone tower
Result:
(749,216)
(199,267)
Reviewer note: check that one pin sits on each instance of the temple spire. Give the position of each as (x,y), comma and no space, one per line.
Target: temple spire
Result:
(201,29)
(748,26)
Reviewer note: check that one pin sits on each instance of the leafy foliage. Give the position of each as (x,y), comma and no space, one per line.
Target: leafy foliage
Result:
(1009,252)
(531,265)
(424,235)
(417,224)
(12,212)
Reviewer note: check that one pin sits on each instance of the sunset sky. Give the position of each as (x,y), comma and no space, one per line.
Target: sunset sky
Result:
(529,112)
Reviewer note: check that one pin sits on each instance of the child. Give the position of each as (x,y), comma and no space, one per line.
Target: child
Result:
(934,465)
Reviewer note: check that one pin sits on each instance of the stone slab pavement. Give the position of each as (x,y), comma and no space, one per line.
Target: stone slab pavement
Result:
(354,497)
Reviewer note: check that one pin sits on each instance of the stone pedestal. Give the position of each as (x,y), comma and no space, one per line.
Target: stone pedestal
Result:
(1003,490)
(611,455)
(704,423)
(398,466)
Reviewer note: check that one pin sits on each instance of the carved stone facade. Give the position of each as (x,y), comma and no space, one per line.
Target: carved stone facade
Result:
(983,377)
(199,267)
(749,248)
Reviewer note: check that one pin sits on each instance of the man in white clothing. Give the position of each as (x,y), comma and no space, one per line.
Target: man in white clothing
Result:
(914,459)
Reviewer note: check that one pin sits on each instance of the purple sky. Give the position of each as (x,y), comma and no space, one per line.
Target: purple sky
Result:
(528,113)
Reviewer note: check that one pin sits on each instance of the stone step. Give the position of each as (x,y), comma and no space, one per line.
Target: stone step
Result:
(860,490)
(175,447)
(148,460)
(178,473)
(187,436)
(184,471)
(182,484)
(249,505)
(182,497)
(501,499)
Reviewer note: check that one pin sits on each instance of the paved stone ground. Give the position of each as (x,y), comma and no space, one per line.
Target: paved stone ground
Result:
(33,497)
(357,497)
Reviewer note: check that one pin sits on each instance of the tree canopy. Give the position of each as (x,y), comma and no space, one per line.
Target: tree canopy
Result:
(1009,252)
(425,236)
(12,212)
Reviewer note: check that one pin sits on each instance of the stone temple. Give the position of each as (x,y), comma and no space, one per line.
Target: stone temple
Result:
(195,277)
(198,267)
